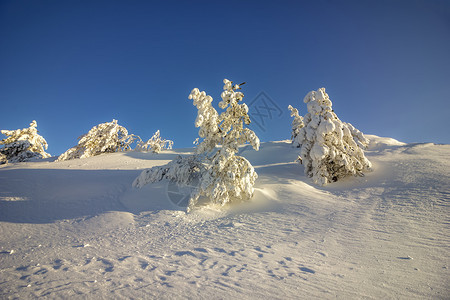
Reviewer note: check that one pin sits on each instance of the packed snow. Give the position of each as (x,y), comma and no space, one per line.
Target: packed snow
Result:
(77,229)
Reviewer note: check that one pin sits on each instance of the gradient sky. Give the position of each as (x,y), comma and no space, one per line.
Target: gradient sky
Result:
(71,65)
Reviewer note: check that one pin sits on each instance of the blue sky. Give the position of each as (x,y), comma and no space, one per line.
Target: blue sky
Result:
(71,65)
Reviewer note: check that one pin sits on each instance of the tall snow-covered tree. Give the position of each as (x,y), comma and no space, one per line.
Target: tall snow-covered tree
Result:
(155,144)
(223,176)
(330,149)
(22,145)
(229,177)
(107,137)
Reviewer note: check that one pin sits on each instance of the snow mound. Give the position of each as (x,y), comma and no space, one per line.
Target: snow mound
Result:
(380,143)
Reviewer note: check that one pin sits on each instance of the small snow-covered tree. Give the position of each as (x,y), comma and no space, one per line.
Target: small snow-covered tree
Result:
(330,149)
(297,124)
(22,145)
(107,137)
(223,176)
(155,144)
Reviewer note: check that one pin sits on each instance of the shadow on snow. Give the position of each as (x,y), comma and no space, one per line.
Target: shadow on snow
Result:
(48,195)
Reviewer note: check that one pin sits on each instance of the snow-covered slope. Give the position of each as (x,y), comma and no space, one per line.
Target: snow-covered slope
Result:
(77,229)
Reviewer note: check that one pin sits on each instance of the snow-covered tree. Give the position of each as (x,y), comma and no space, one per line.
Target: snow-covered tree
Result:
(297,124)
(229,177)
(104,138)
(223,176)
(22,145)
(330,149)
(155,144)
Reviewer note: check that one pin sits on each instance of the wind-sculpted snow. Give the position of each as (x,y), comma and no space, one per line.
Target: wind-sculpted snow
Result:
(77,230)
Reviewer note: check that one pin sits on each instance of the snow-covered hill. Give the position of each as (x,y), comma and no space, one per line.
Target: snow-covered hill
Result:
(77,229)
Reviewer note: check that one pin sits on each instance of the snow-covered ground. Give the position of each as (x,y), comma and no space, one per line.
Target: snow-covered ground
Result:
(77,229)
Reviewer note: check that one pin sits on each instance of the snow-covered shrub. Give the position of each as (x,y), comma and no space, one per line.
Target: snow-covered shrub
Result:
(22,145)
(154,144)
(182,170)
(330,149)
(223,176)
(104,138)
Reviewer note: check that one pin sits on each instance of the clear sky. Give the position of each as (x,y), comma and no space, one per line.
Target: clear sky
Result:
(71,65)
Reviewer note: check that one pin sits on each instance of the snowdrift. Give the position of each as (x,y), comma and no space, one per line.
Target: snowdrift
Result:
(77,229)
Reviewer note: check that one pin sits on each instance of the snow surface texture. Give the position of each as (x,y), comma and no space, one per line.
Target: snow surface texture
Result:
(76,229)
(23,145)
(329,148)
(222,176)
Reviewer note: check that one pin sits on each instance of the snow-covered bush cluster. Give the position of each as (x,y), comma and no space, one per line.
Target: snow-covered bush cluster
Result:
(22,145)
(155,144)
(110,137)
(107,137)
(330,149)
(223,176)
(25,144)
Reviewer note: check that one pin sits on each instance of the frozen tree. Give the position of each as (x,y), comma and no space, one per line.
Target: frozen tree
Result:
(330,149)
(223,176)
(229,177)
(154,144)
(297,124)
(22,145)
(104,138)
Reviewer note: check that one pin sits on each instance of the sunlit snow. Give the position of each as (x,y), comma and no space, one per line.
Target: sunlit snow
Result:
(78,229)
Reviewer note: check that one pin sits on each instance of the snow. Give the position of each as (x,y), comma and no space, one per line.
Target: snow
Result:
(77,229)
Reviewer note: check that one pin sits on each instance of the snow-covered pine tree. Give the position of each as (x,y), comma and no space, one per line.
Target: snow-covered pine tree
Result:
(104,138)
(229,177)
(330,149)
(22,145)
(297,124)
(155,144)
(223,176)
